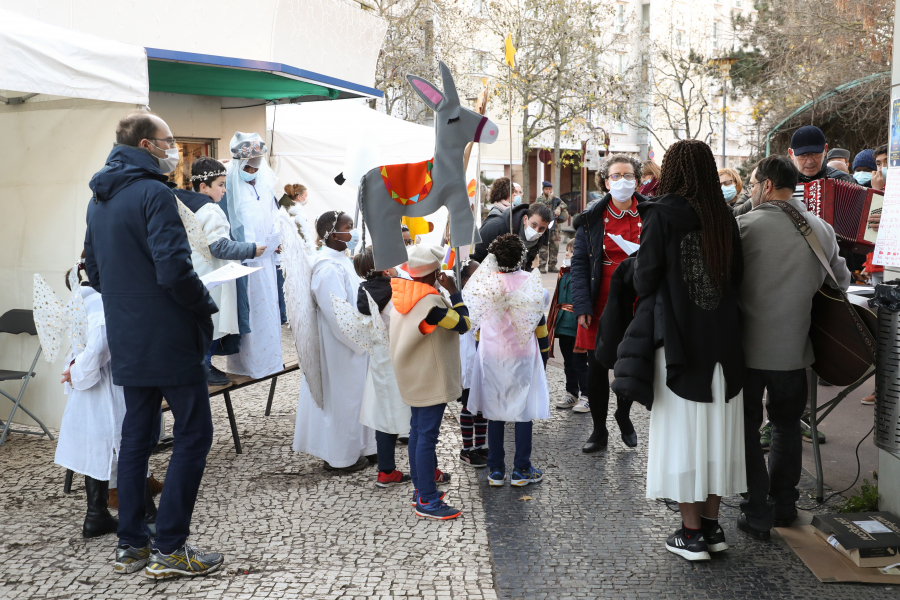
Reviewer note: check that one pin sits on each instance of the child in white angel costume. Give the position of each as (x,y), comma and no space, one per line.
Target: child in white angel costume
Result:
(334,367)
(91,430)
(509,382)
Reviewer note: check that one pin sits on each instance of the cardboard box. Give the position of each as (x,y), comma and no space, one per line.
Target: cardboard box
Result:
(826,564)
(868,539)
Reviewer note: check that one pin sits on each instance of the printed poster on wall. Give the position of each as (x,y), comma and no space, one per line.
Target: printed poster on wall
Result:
(887,245)
(894,155)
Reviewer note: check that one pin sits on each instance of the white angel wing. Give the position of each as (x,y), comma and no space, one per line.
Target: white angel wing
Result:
(53,319)
(485,299)
(301,307)
(49,318)
(304,228)
(483,292)
(194,230)
(526,307)
(381,331)
(358,327)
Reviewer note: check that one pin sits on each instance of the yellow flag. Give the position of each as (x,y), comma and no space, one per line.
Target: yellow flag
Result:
(510,52)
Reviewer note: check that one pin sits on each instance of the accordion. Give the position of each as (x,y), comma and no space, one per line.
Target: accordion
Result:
(846,207)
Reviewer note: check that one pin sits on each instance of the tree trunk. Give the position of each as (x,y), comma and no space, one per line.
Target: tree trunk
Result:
(526,179)
(557,167)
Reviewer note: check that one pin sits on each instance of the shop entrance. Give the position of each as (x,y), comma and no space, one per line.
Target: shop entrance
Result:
(190,149)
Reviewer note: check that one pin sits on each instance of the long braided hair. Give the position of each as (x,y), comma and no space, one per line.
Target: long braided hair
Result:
(689,170)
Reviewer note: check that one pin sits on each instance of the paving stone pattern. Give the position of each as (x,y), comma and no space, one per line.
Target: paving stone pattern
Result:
(588,531)
(291,530)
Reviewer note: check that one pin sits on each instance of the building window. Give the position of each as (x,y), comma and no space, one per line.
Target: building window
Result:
(738,3)
(715,34)
(679,38)
(480,62)
(620,18)
(477,6)
(645,18)
(621,64)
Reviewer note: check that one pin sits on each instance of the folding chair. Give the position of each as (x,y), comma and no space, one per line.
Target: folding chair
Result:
(18,321)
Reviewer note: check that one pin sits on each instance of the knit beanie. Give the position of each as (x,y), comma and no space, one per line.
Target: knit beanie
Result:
(866,158)
(423,259)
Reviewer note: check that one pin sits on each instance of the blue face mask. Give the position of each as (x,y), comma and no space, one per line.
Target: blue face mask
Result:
(729,191)
(354,238)
(246,176)
(862,177)
(884,172)
(517,200)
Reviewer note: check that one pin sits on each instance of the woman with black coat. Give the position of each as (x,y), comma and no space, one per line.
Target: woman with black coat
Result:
(690,258)
(593,263)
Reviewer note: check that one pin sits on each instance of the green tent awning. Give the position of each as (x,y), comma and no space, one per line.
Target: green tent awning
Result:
(228,82)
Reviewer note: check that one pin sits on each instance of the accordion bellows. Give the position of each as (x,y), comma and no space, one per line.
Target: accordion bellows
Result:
(846,207)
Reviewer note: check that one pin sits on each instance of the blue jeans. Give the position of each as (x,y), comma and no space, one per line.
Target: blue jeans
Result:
(386,444)
(497,455)
(281,305)
(424,427)
(193,431)
(212,350)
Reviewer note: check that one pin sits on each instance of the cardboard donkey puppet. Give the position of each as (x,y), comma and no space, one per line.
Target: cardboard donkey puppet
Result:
(390,192)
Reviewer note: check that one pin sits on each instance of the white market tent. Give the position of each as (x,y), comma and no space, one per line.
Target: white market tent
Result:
(313,143)
(58,88)
(70,70)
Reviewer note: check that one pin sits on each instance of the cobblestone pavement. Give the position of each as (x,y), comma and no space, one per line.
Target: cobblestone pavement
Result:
(291,530)
(588,531)
(287,528)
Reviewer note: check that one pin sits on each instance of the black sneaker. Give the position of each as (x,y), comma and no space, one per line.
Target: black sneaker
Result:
(215,378)
(785,519)
(713,535)
(483,451)
(472,458)
(186,561)
(691,549)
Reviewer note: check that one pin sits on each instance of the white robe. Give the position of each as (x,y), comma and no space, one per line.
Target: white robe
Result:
(382,407)
(334,433)
(91,429)
(260,353)
(215,227)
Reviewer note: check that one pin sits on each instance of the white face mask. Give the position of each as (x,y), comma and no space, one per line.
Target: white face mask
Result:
(531,233)
(622,189)
(167,164)
(567,262)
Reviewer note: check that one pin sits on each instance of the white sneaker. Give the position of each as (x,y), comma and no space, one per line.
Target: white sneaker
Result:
(583,406)
(568,402)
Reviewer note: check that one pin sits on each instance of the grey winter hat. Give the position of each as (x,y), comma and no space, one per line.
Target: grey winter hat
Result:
(247,145)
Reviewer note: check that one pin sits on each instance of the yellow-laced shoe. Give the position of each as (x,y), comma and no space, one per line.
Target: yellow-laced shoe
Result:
(129,560)
(187,561)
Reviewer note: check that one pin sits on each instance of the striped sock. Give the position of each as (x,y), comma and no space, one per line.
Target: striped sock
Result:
(466,425)
(480,430)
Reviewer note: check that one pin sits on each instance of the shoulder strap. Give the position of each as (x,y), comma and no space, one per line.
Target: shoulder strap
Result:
(810,236)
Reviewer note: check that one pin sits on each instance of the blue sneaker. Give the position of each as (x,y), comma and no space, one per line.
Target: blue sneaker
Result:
(415,497)
(436,509)
(520,478)
(496,478)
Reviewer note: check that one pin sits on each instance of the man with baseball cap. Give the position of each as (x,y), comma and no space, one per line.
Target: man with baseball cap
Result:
(807,151)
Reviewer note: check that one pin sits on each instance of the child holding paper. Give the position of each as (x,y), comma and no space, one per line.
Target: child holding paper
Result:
(208,181)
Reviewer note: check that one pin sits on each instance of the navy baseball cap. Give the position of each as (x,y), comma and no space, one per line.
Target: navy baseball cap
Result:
(808,139)
(546,184)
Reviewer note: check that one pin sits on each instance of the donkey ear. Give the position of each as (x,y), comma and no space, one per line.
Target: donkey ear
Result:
(429,94)
(449,84)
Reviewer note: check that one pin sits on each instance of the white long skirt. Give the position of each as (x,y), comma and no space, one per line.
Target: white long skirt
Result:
(696,448)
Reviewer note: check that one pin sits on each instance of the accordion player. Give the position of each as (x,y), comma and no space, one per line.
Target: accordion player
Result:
(846,207)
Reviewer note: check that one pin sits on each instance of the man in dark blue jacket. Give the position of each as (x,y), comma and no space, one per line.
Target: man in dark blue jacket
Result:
(158,321)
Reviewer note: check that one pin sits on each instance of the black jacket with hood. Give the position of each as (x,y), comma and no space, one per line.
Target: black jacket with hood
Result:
(698,324)
(496,225)
(138,256)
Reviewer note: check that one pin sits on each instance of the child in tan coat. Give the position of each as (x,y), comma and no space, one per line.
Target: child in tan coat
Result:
(424,333)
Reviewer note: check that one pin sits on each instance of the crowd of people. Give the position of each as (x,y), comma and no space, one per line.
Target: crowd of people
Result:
(685,323)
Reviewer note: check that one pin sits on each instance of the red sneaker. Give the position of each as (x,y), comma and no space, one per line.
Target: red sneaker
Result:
(441,477)
(393,478)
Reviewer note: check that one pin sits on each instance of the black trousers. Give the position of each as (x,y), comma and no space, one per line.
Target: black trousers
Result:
(598,397)
(787,393)
(575,366)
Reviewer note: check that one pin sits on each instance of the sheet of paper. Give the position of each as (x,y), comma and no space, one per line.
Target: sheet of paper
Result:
(871,526)
(629,247)
(229,272)
(272,243)
(855,289)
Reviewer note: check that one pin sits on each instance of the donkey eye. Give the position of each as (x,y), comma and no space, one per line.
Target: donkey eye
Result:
(453,120)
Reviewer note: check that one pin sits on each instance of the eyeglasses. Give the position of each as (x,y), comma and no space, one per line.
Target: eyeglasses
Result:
(809,157)
(755,183)
(626,177)
(171,141)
